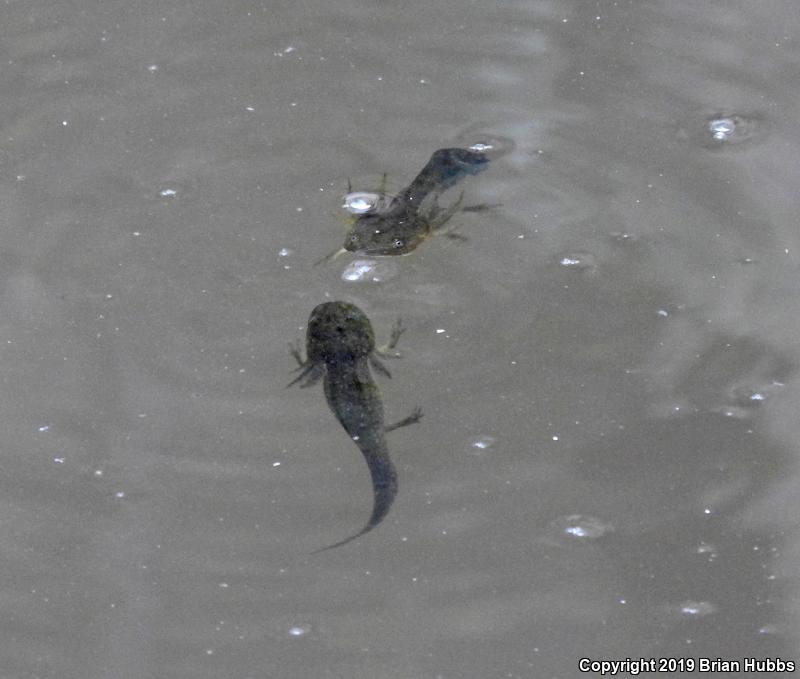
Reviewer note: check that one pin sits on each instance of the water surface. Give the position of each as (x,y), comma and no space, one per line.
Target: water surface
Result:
(606,467)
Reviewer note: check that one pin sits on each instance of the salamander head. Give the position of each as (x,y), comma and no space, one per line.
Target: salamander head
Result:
(385,234)
(338,331)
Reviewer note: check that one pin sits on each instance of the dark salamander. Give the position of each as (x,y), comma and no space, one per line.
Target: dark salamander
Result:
(396,226)
(340,348)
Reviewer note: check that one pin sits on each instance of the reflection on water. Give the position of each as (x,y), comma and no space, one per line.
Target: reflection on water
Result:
(607,363)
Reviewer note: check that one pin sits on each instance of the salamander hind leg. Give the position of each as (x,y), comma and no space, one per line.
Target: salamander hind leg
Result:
(440,218)
(480,207)
(413,418)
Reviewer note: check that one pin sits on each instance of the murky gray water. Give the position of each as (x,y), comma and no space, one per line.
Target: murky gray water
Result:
(606,467)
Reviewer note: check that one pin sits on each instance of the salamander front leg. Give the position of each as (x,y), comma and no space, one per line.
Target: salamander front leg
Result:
(387,350)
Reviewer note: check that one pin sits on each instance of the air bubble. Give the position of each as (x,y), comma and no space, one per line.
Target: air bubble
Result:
(696,609)
(669,409)
(493,146)
(622,237)
(368,271)
(361,202)
(707,550)
(299,630)
(580,526)
(481,147)
(720,129)
(580,261)
(483,442)
(749,396)
(735,413)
